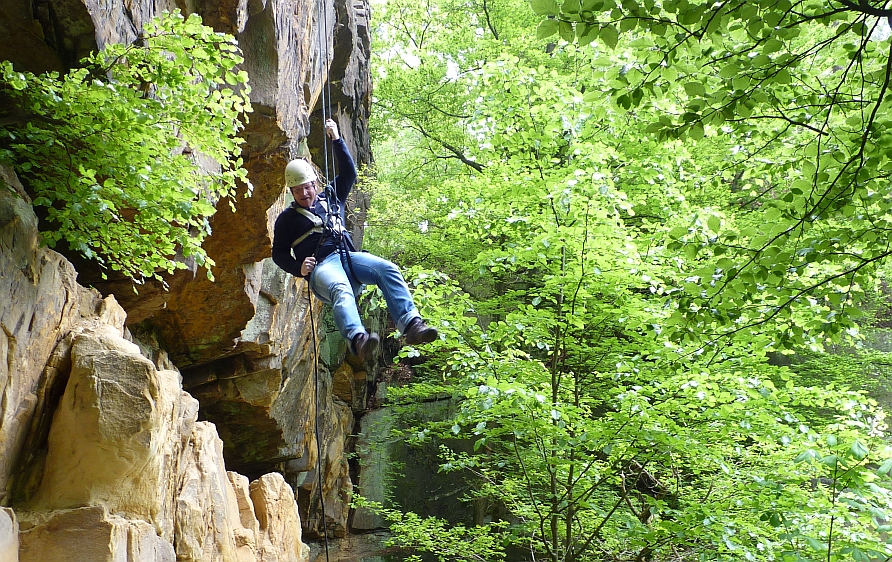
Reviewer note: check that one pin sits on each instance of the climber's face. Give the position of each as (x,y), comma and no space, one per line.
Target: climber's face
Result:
(305,194)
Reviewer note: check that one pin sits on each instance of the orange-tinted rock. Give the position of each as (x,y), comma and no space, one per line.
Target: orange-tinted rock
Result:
(244,344)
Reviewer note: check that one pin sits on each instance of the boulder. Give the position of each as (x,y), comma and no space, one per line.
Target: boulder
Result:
(42,302)
(208,524)
(90,533)
(9,535)
(116,433)
(279,521)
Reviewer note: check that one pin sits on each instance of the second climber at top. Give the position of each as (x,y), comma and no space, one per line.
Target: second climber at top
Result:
(311,241)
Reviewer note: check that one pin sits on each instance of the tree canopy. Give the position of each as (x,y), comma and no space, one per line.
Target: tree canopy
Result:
(805,84)
(623,217)
(115,151)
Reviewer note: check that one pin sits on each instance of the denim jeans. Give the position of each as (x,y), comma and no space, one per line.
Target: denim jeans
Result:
(333,283)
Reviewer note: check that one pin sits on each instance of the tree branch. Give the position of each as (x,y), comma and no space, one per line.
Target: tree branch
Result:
(455,151)
(866,8)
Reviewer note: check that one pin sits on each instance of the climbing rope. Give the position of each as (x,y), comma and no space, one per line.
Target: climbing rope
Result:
(322,23)
(331,196)
(316,419)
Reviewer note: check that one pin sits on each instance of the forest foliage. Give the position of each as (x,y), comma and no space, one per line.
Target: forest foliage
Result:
(114,151)
(625,218)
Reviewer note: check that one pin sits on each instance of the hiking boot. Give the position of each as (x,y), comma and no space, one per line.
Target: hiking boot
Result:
(419,332)
(364,345)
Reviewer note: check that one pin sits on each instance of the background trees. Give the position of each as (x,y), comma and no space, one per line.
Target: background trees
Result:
(631,226)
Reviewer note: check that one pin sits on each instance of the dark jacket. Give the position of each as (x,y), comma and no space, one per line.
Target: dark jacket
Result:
(292,224)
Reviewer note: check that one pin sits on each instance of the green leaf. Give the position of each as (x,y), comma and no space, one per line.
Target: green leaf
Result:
(816,544)
(694,88)
(545,7)
(859,450)
(587,33)
(609,35)
(566,31)
(547,28)
(772,46)
(805,456)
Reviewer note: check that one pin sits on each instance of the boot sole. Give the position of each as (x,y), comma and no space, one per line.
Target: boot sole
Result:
(425,337)
(369,348)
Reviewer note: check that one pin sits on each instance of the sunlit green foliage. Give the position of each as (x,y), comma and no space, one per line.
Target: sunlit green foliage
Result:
(628,229)
(804,86)
(111,150)
(436,536)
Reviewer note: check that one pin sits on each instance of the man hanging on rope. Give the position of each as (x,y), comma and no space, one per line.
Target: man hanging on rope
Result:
(323,253)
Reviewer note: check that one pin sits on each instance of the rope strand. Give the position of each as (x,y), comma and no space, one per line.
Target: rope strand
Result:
(322,23)
(316,419)
(331,195)
(334,210)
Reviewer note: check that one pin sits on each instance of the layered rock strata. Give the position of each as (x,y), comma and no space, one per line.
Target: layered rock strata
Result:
(103,454)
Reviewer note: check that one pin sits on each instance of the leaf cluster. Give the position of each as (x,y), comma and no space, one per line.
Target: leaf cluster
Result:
(129,154)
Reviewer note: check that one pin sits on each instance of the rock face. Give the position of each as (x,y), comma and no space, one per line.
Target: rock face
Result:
(124,472)
(103,388)
(91,533)
(41,304)
(9,535)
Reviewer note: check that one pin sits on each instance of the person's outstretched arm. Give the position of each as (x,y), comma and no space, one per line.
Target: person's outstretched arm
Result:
(346,177)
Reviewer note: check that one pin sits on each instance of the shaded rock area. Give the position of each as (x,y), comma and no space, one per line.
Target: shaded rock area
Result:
(189,420)
(42,303)
(405,477)
(368,547)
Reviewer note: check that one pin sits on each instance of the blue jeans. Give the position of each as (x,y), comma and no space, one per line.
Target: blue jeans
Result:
(334,284)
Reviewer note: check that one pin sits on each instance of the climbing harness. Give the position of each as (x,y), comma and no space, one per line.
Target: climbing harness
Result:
(316,229)
(335,226)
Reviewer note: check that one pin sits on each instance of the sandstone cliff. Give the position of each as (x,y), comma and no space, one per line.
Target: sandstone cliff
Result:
(102,454)
(103,389)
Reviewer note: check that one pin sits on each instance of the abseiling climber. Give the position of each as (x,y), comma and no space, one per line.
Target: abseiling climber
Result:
(311,241)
